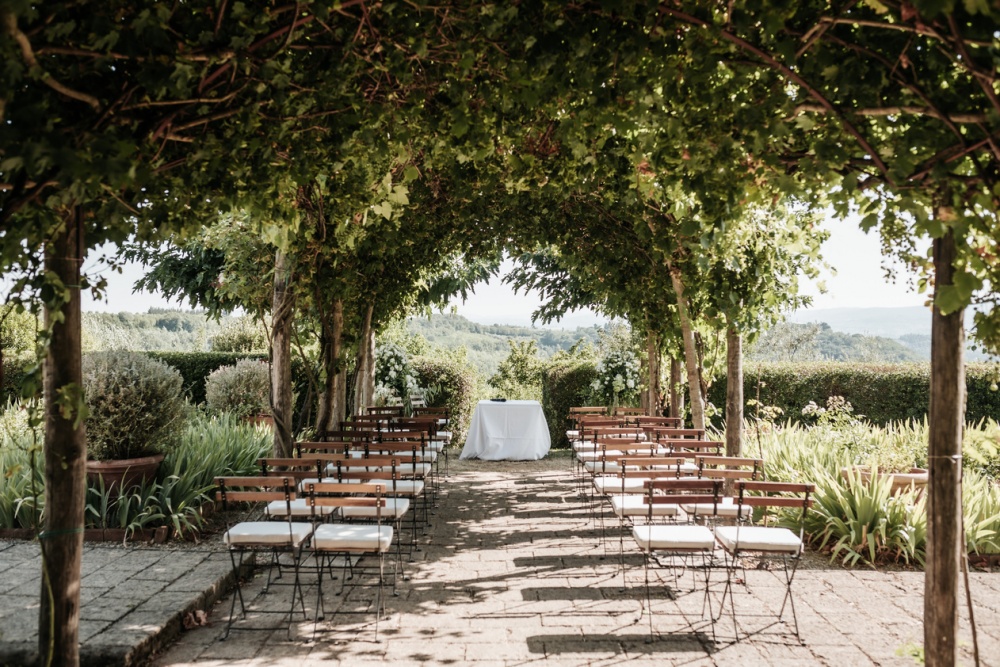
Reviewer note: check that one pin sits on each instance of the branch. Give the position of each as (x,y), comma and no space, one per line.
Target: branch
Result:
(961,118)
(793,76)
(10,23)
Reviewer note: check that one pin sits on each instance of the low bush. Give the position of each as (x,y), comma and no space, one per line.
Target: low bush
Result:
(565,385)
(195,367)
(880,392)
(243,389)
(135,405)
(448,384)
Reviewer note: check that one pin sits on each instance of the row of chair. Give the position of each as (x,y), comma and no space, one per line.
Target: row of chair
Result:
(343,499)
(677,497)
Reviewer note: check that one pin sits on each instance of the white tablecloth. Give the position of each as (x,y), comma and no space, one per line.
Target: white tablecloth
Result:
(511,430)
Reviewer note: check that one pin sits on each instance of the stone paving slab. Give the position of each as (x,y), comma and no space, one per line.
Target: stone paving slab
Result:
(133,599)
(513,571)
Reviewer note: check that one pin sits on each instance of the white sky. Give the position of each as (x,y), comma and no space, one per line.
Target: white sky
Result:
(859,283)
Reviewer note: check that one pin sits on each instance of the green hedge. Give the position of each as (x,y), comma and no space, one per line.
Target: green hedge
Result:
(455,384)
(880,392)
(195,367)
(565,386)
(15,368)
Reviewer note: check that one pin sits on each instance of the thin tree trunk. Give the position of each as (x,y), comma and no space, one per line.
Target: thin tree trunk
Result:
(653,366)
(734,392)
(362,398)
(690,353)
(282,311)
(331,402)
(370,368)
(944,487)
(676,390)
(65,458)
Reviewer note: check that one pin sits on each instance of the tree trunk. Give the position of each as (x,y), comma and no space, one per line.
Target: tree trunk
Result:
(653,366)
(282,311)
(65,457)
(370,369)
(690,354)
(331,401)
(365,360)
(944,487)
(676,390)
(734,392)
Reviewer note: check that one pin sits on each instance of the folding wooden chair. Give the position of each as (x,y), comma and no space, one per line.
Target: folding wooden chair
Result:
(347,540)
(726,468)
(657,541)
(275,537)
(763,540)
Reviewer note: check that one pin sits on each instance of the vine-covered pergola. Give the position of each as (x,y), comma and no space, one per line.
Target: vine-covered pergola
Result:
(659,159)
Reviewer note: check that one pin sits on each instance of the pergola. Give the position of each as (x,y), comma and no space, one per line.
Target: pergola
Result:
(364,144)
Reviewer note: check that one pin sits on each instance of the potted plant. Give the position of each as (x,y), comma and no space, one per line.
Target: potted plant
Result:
(134,407)
(243,390)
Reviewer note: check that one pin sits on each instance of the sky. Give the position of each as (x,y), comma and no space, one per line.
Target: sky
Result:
(859,283)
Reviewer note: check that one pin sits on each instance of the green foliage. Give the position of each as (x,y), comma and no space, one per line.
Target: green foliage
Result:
(135,405)
(519,376)
(17,332)
(243,389)
(19,479)
(880,392)
(195,367)
(450,384)
(565,385)
(15,370)
(242,335)
(159,329)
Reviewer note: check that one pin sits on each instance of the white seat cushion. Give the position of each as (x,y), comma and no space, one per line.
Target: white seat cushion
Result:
(394,509)
(609,485)
(758,538)
(727,509)
(609,467)
(299,507)
(269,533)
(636,505)
(405,487)
(673,538)
(355,537)
(304,484)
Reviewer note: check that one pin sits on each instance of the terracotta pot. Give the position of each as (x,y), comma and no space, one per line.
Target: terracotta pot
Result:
(124,472)
(900,480)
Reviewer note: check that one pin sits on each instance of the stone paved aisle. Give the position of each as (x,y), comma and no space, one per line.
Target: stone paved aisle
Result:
(513,573)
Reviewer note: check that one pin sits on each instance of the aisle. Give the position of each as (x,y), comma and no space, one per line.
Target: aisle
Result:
(513,573)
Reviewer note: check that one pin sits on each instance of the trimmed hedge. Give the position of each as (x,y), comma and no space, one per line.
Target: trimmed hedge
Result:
(880,392)
(195,367)
(564,386)
(457,390)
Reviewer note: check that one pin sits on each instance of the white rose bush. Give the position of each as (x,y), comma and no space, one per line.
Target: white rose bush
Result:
(617,379)
(393,376)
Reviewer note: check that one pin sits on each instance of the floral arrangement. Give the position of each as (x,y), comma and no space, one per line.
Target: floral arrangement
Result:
(617,379)
(393,376)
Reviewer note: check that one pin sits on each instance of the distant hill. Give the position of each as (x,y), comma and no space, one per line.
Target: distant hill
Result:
(911,326)
(487,343)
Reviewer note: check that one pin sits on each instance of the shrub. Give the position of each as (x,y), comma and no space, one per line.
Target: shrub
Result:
(519,375)
(195,367)
(242,335)
(880,392)
(243,389)
(135,405)
(450,384)
(565,385)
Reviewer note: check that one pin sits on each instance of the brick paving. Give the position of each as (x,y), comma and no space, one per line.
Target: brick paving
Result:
(513,571)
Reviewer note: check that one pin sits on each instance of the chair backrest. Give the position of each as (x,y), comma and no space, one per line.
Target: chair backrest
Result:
(336,494)
(297,468)
(666,433)
(425,423)
(437,411)
(623,432)
(682,490)
(789,495)
(363,426)
(394,410)
(730,467)
(339,435)
(709,447)
(628,411)
(667,422)
(306,448)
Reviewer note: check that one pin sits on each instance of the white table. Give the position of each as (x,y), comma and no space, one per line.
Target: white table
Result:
(508,430)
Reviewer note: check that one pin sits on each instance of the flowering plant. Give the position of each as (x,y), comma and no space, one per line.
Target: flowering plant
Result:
(617,378)
(392,373)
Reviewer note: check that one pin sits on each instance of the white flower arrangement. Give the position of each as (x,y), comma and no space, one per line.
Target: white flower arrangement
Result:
(393,377)
(617,377)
